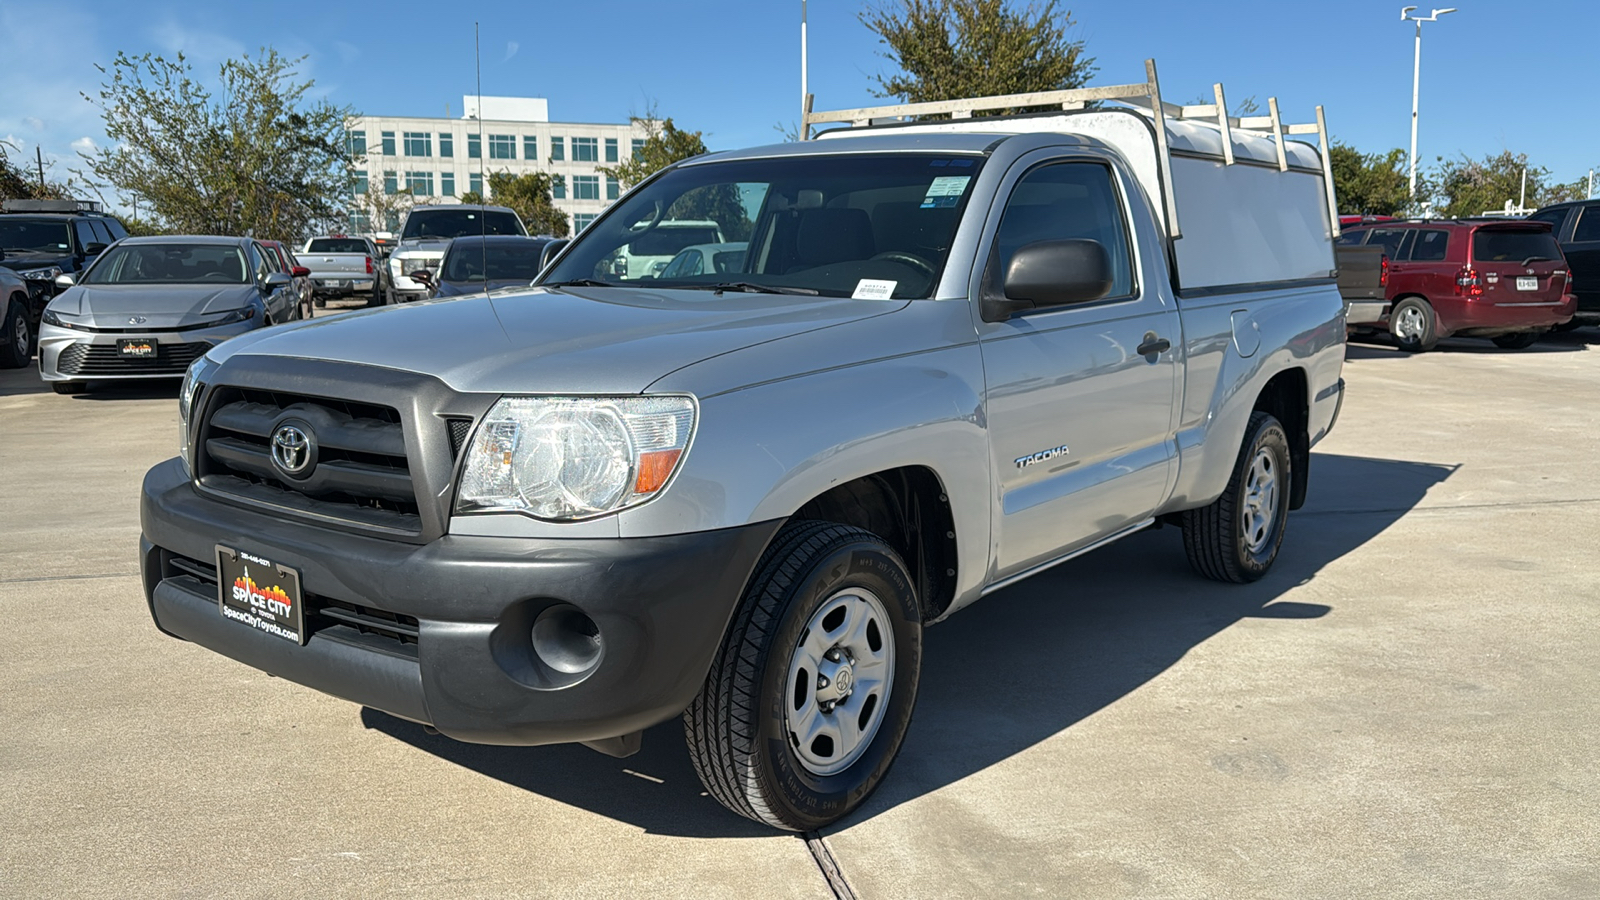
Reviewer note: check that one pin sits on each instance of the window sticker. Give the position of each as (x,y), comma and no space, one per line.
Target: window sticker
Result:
(873,289)
(945,191)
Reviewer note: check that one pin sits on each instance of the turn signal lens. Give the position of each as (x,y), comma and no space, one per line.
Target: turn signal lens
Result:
(655,467)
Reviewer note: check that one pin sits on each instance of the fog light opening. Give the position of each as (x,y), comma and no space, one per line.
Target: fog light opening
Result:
(566,640)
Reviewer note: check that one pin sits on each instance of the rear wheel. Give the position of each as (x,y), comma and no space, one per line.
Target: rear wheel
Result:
(16,338)
(1413,325)
(810,696)
(1237,537)
(1517,340)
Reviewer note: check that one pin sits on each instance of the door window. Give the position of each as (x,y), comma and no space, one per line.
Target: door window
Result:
(85,235)
(1068,201)
(1556,217)
(1430,245)
(1389,239)
(1588,228)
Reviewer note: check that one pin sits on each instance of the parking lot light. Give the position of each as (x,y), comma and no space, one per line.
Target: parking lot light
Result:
(1416,80)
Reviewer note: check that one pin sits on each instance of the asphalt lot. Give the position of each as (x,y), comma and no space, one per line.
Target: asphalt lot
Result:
(1405,707)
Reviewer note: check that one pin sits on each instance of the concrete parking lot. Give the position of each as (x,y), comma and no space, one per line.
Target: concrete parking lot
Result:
(1405,707)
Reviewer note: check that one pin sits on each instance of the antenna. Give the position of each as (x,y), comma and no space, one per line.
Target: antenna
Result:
(483,181)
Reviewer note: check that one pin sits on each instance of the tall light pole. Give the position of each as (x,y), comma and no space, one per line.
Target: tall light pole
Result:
(1416,82)
(802,57)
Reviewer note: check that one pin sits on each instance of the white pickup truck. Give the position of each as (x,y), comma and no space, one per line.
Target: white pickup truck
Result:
(955,354)
(346,266)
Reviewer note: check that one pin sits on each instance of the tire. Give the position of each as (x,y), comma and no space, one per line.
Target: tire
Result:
(16,338)
(1413,325)
(320,302)
(68,387)
(765,681)
(1221,543)
(1517,340)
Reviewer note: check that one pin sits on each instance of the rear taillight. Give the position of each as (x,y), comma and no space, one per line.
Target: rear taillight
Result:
(369,265)
(1383,272)
(1467,283)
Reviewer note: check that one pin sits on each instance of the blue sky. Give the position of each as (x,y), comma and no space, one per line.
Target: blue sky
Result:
(1494,77)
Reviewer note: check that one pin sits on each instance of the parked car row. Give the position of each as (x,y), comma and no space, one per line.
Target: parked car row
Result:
(40,240)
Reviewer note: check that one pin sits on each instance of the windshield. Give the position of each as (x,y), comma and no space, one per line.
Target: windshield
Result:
(337,245)
(507,261)
(454,223)
(838,226)
(34,236)
(169,264)
(1514,246)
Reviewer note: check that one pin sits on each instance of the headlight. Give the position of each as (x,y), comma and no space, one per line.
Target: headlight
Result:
(48,273)
(566,458)
(50,317)
(412,264)
(193,380)
(243,314)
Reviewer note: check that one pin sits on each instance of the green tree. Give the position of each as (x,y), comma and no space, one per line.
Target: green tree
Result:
(529,196)
(954,49)
(665,144)
(256,158)
(20,181)
(1369,184)
(1469,187)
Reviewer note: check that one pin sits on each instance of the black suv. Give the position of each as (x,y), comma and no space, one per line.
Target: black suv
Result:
(1576,225)
(40,239)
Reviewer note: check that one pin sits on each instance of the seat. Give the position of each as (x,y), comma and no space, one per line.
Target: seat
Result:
(831,235)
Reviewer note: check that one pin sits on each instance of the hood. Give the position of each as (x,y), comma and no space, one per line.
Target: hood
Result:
(578,340)
(162,305)
(425,246)
(23,260)
(463,288)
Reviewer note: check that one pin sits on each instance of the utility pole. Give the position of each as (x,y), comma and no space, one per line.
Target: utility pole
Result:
(38,154)
(1416,82)
(802,57)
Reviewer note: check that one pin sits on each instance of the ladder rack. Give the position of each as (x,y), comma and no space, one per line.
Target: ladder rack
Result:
(1144,96)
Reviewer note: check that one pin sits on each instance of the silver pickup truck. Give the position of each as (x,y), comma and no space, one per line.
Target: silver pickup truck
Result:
(957,354)
(345,266)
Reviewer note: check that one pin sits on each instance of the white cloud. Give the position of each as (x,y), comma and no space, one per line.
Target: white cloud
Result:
(34,122)
(511,50)
(84,144)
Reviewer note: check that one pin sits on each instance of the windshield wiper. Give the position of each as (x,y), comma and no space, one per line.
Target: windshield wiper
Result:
(748,287)
(1534,259)
(577,282)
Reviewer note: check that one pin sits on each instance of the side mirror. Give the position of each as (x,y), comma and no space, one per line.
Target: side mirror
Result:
(423,277)
(94,249)
(550,250)
(1049,273)
(65,281)
(300,272)
(276,279)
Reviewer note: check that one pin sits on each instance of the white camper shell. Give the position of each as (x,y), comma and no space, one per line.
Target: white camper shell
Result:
(1240,202)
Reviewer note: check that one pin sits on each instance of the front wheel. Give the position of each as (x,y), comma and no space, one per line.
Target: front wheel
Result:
(809,699)
(1517,340)
(1237,537)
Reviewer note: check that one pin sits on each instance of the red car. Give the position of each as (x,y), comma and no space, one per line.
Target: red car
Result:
(1505,280)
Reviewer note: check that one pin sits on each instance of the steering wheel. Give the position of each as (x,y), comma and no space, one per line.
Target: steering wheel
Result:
(908,259)
(217,275)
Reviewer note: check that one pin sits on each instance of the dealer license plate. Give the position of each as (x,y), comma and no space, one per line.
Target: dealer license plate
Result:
(334,283)
(261,594)
(138,348)
(1527,282)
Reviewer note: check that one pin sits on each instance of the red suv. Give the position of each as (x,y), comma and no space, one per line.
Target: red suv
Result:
(1501,279)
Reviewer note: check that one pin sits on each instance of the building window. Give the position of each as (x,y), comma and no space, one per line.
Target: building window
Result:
(418,143)
(474,147)
(585,150)
(361,182)
(355,143)
(391,185)
(420,184)
(360,221)
(502,146)
(558,187)
(586,187)
(558,149)
(613,189)
(580,221)
(447,145)
(388,143)
(638,147)
(530,148)
(447,184)
(611,149)
(475,183)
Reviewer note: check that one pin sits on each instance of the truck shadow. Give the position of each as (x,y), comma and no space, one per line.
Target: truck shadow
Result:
(1052,651)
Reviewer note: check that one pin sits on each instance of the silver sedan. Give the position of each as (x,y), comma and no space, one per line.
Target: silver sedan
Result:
(148,307)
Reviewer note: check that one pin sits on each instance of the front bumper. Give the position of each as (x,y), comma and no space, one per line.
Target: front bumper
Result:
(661,605)
(69,354)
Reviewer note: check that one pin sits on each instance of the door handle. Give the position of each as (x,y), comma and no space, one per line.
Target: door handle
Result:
(1153,345)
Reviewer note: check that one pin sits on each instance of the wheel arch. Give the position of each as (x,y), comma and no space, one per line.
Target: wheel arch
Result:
(1287,397)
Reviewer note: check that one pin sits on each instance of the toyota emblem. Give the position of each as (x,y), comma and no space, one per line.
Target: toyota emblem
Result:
(137,320)
(294,451)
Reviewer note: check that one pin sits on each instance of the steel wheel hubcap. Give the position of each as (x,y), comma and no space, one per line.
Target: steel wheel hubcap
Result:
(1260,507)
(839,681)
(1409,324)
